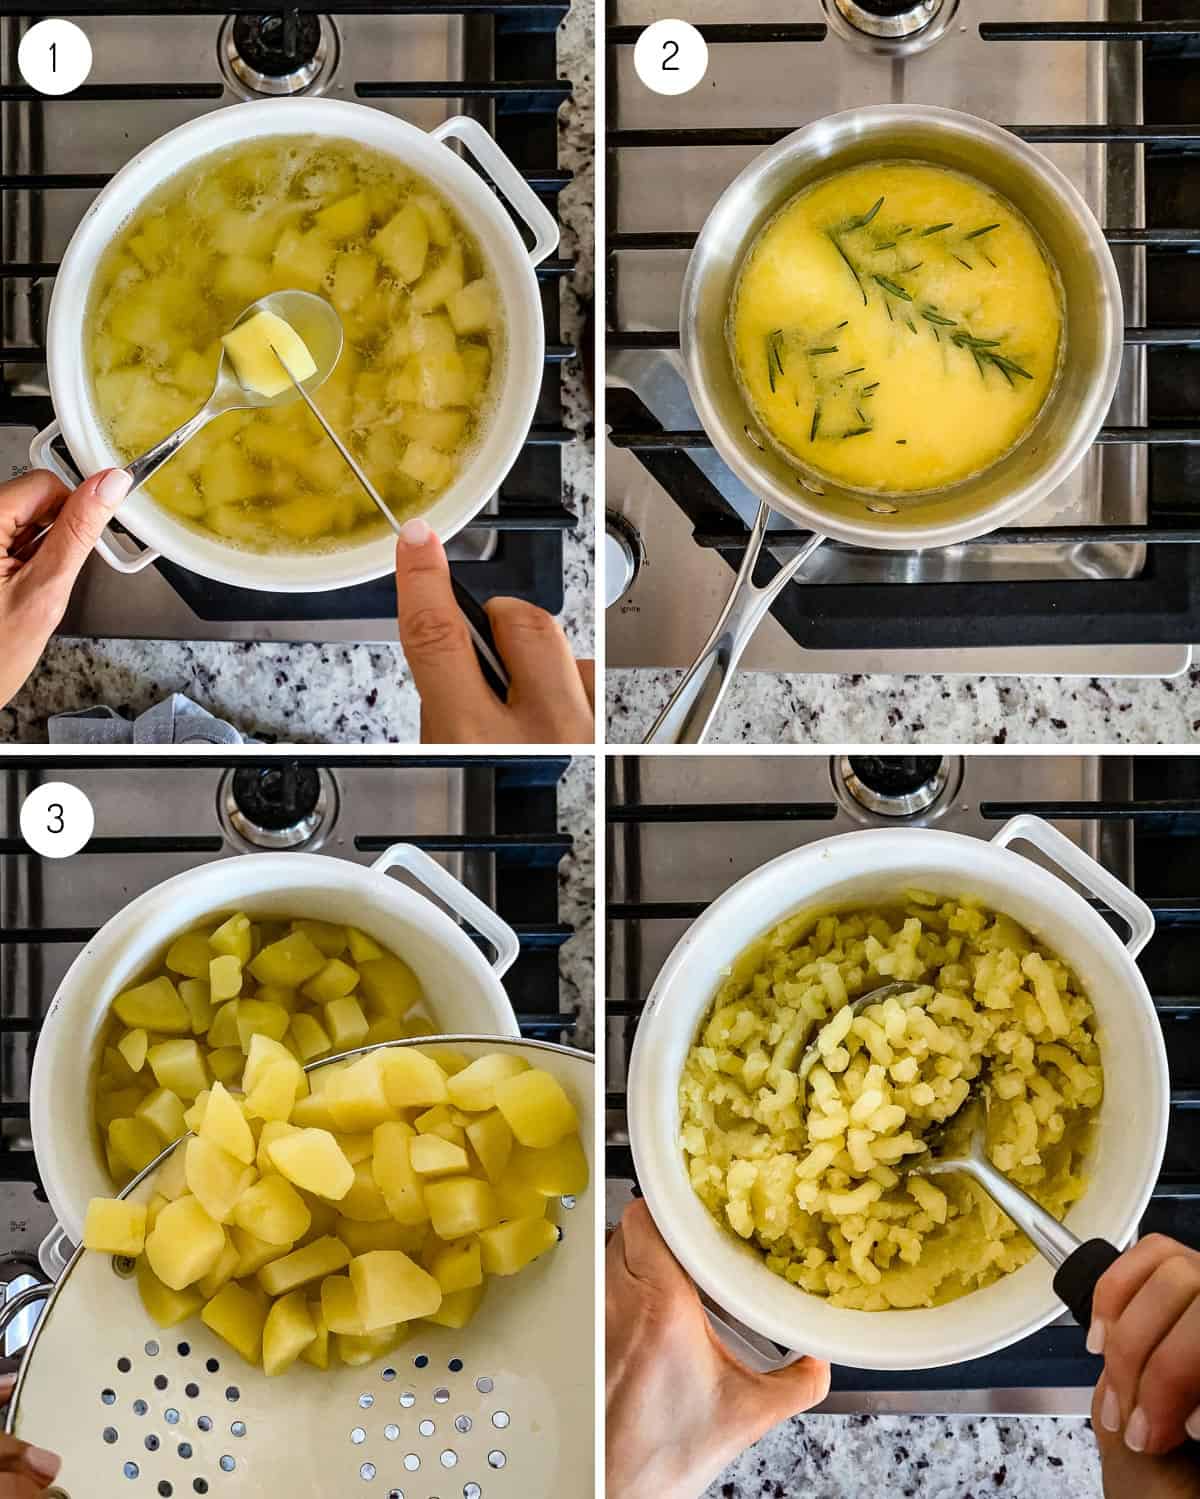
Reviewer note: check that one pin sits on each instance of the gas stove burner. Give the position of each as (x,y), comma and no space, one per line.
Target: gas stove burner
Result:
(272,52)
(891,25)
(286,806)
(897,785)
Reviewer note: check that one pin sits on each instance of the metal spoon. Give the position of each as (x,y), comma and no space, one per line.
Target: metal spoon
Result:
(812,1054)
(317,323)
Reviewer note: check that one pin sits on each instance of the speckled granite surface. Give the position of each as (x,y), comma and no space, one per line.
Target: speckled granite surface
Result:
(766,708)
(347,693)
(917,1457)
(577,897)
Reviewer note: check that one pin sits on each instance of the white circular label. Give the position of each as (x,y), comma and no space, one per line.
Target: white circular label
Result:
(57,820)
(671,57)
(54,57)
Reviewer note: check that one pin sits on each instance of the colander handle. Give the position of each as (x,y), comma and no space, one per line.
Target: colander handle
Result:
(456,895)
(754,1350)
(694,703)
(21,1302)
(1132,910)
(113,548)
(521,197)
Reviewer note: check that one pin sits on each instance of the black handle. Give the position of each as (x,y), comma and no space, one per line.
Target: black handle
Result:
(1075,1279)
(477,617)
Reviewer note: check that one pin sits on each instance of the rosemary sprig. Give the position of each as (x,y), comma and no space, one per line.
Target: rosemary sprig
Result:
(816,422)
(979,233)
(984,353)
(961,261)
(774,355)
(824,349)
(837,245)
(855,432)
(869,390)
(857,370)
(892,288)
(935,229)
(931,316)
(863,219)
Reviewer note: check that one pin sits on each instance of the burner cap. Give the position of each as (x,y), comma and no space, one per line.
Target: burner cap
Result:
(273,52)
(896,785)
(890,20)
(277,806)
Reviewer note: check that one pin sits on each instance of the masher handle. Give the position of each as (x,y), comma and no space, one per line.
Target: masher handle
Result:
(1076,1278)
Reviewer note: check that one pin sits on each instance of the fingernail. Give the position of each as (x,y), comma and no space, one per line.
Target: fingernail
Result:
(1192,1425)
(1095,1337)
(45,1464)
(113,488)
(1110,1411)
(1137,1431)
(415,532)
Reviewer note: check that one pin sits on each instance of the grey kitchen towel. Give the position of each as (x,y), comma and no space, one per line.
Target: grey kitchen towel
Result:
(176,720)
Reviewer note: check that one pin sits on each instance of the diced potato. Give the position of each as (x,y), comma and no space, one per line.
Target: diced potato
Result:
(115,1226)
(395,1176)
(163,1111)
(361,1237)
(133,1046)
(346,1023)
(474,1088)
(339,1305)
(166,1307)
(316,1260)
(289,962)
(222,1272)
(385,1029)
(327,936)
(461,1205)
(253,1253)
(274,1092)
(403,243)
(441,228)
(561,1170)
(364,1202)
(432,1156)
(118,1103)
(412,1079)
(306,516)
(477,366)
(334,981)
(259,349)
(302,261)
(363,949)
(154,1006)
(357,1096)
(226,1063)
(184,1244)
(224,978)
(538,1111)
(238,1316)
(438,429)
(441,379)
(196,994)
(264,1053)
(288,1331)
(272,1210)
(509,1247)
(135,1143)
(194,1117)
(472,308)
(275,994)
(179,1065)
(353,280)
(427,466)
(438,1121)
(357,1351)
(233,938)
(310,1036)
(312,1160)
(390,1287)
(457,1267)
(223,1031)
(457,1308)
(272,1130)
(258,1017)
(345,219)
(440,285)
(389,986)
(313,1113)
(317,1352)
(433,334)
(226,1126)
(170,1180)
(492,1141)
(356,1148)
(518,1199)
(215,1178)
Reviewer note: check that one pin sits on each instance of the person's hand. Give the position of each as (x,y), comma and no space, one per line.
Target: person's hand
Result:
(680,1406)
(550,694)
(1146,1322)
(36,584)
(25,1471)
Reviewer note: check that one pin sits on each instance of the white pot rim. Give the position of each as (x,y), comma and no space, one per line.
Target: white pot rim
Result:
(508,423)
(886,1341)
(120,952)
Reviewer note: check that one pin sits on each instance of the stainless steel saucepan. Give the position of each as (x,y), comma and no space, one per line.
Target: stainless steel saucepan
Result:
(1065,428)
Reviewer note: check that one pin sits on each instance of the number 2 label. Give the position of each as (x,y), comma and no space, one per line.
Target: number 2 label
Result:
(670,57)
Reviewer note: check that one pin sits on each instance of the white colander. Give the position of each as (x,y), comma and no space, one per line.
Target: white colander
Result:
(500,1410)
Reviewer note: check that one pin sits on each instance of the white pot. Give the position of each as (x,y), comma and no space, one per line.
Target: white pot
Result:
(480,210)
(861,868)
(464,991)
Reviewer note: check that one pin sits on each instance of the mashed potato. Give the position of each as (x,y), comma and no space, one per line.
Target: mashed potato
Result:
(812,1172)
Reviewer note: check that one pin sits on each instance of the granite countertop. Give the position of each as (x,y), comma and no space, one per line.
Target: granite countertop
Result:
(917,1457)
(348,693)
(577,898)
(778,708)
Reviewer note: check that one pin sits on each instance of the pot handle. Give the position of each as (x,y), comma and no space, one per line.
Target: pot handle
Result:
(1082,867)
(113,548)
(694,703)
(456,895)
(513,187)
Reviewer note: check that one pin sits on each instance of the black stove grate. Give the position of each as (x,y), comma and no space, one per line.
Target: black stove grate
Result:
(516,847)
(513,87)
(1164,811)
(1162,604)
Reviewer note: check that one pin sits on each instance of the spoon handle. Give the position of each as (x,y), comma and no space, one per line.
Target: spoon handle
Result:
(149,462)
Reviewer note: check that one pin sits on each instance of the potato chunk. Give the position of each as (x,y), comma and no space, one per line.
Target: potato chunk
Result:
(166,1307)
(179,1065)
(226,1126)
(154,1006)
(184,1244)
(272,1210)
(312,1160)
(238,1316)
(403,243)
(395,1175)
(320,1258)
(457,1308)
(389,986)
(461,1205)
(474,1088)
(224,978)
(492,1141)
(357,1096)
(115,1226)
(233,938)
(287,1332)
(390,1287)
(261,346)
(412,1080)
(457,1267)
(538,1111)
(133,1046)
(432,1156)
(290,962)
(189,955)
(559,1171)
(339,1306)
(216,1178)
(509,1247)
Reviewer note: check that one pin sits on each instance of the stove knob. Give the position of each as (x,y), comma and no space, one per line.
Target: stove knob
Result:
(890,20)
(622,558)
(895,775)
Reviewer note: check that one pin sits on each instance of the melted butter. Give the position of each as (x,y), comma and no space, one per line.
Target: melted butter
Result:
(906,352)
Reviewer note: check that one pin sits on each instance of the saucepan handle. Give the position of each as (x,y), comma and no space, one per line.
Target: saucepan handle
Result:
(463,902)
(693,706)
(1093,876)
(513,187)
(123,558)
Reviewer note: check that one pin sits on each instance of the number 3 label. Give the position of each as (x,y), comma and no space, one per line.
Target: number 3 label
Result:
(57,820)
(671,57)
(54,57)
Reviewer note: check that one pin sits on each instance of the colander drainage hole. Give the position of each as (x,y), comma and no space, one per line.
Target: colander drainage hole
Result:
(441,1396)
(165,1489)
(227,1463)
(408,1399)
(455,1366)
(567,1202)
(462,1423)
(109,1397)
(500,1419)
(213,1365)
(140,1408)
(111,1435)
(191,1391)
(388,1375)
(233,1394)
(124,1365)
(171,1416)
(391,1431)
(421,1360)
(426,1428)
(472,1491)
(395,1494)
(200,1486)
(185,1450)
(131,1470)
(366,1401)
(205,1423)
(496,1459)
(238,1428)
(152,1349)
(367,1472)
(160,1381)
(484,1385)
(184,1349)
(152,1443)
(358,1436)
(449,1458)
(411,1462)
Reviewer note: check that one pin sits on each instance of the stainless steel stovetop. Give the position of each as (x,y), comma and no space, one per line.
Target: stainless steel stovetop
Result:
(683,858)
(671,588)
